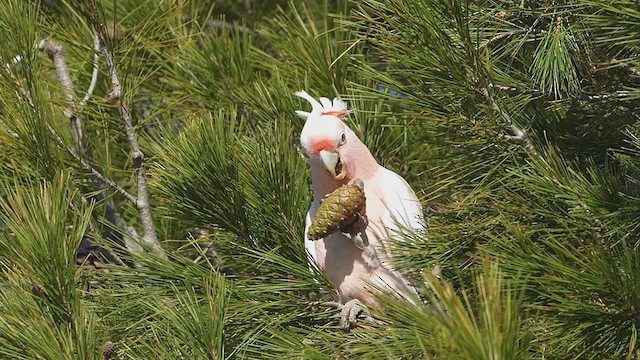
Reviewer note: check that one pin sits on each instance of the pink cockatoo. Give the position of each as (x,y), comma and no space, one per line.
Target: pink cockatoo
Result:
(356,266)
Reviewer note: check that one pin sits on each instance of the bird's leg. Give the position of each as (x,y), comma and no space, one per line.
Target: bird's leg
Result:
(349,313)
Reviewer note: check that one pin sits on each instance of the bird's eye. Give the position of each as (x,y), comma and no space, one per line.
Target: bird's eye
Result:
(343,139)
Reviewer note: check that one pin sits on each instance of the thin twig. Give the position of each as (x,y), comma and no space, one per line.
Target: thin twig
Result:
(224,25)
(116,95)
(509,34)
(513,89)
(632,69)
(332,304)
(202,254)
(95,172)
(615,62)
(113,256)
(614,95)
(113,215)
(202,233)
(517,134)
(24,92)
(635,70)
(94,74)
(83,155)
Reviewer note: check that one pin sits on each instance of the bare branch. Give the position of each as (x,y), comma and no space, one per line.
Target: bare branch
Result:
(508,34)
(625,65)
(112,213)
(209,252)
(633,69)
(513,89)
(330,304)
(116,95)
(83,155)
(54,49)
(220,24)
(616,63)
(517,134)
(94,74)
(95,172)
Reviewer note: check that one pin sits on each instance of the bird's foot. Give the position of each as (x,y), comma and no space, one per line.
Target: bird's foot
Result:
(356,231)
(349,313)
(359,239)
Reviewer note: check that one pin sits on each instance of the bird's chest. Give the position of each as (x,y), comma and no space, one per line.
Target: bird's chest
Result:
(338,254)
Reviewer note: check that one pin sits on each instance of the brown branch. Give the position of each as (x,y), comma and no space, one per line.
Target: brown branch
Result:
(517,134)
(92,170)
(508,34)
(633,69)
(54,49)
(111,255)
(513,89)
(113,215)
(209,252)
(83,155)
(330,304)
(150,238)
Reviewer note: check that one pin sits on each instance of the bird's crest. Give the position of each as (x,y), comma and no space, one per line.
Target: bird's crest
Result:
(337,107)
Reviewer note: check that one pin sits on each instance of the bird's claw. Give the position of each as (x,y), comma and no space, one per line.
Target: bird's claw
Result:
(356,231)
(359,239)
(350,311)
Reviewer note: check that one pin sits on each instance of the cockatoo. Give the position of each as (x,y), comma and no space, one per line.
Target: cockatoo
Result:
(355,266)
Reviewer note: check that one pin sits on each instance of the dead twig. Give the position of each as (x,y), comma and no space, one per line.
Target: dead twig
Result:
(517,134)
(83,154)
(54,49)
(94,74)
(509,34)
(150,237)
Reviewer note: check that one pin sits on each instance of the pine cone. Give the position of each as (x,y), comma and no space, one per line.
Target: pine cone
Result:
(37,290)
(338,210)
(108,350)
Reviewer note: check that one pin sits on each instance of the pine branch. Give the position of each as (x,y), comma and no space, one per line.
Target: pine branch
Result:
(518,135)
(55,51)
(95,172)
(513,89)
(150,236)
(632,69)
(509,34)
(209,251)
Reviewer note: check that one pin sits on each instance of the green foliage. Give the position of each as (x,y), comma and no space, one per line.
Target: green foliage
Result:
(536,235)
(245,182)
(42,313)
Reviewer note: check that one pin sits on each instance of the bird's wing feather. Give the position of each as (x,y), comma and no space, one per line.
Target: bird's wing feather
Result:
(403,209)
(400,211)
(309,244)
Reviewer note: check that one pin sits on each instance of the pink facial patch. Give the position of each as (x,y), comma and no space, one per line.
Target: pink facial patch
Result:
(322,145)
(338,114)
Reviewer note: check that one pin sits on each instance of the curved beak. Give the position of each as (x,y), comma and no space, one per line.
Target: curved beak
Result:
(334,165)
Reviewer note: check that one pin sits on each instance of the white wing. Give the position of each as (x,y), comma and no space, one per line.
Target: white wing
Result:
(404,210)
(309,244)
(403,213)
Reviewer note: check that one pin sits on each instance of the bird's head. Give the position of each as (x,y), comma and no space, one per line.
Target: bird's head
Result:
(326,140)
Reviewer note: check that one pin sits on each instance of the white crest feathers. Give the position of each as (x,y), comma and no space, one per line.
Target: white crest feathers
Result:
(324,107)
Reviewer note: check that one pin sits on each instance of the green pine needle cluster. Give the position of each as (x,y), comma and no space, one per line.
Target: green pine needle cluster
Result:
(516,122)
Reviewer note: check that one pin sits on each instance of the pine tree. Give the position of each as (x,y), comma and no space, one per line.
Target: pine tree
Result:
(153,194)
